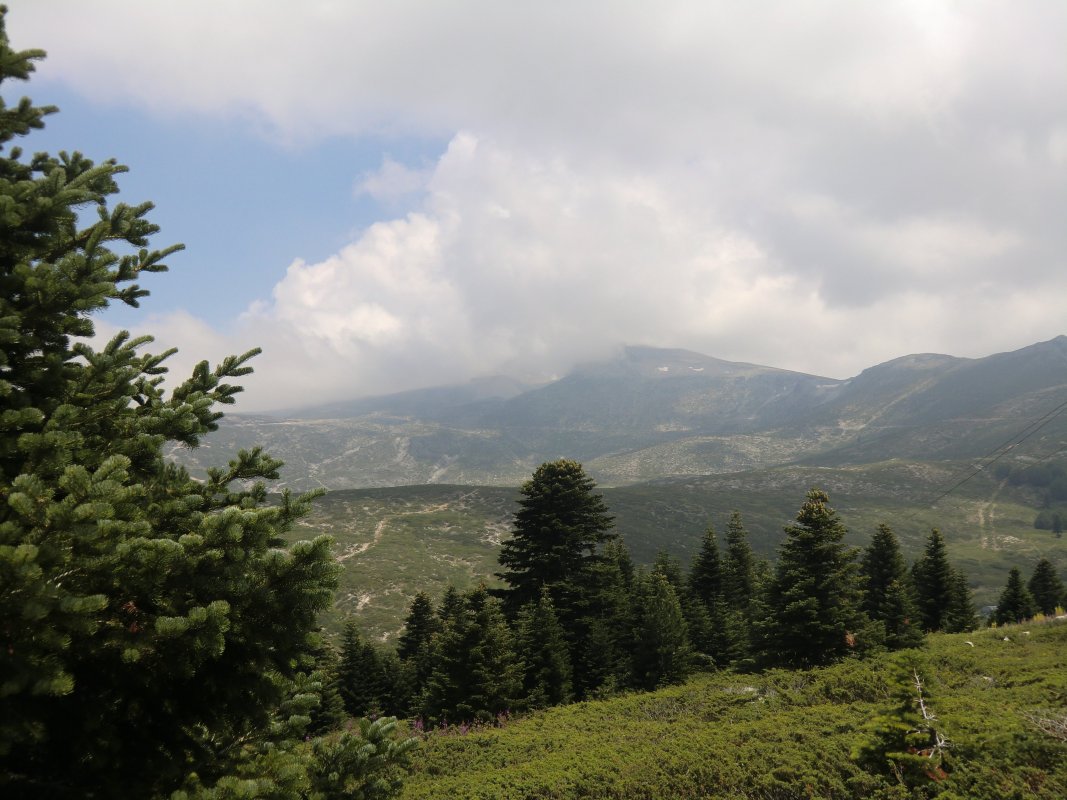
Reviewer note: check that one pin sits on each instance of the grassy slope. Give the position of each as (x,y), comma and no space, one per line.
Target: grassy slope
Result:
(394,542)
(775,735)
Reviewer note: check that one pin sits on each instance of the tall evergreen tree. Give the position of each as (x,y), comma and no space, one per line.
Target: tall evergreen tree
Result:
(705,575)
(359,673)
(961,614)
(543,647)
(419,627)
(703,603)
(152,626)
(415,651)
(932,576)
(496,670)
(598,634)
(739,574)
(452,607)
(330,713)
(1015,603)
(1046,587)
(661,651)
(887,593)
(670,568)
(558,529)
(813,600)
(560,532)
(477,673)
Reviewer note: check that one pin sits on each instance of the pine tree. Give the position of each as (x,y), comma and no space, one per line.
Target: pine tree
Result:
(1015,603)
(543,647)
(149,623)
(598,633)
(559,527)
(887,593)
(496,670)
(961,614)
(738,566)
(932,576)
(1046,587)
(477,673)
(452,606)
(705,576)
(704,605)
(661,651)
(360,676)
(415,651)
(330,713)
(813,600)
(419,627)
(561,531)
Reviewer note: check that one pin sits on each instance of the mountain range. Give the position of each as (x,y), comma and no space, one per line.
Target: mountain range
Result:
(655,413)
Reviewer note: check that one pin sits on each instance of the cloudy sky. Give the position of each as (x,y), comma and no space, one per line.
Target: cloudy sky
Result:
(397,194)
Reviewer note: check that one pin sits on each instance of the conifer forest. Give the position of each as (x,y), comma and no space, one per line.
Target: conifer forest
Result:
(165,635)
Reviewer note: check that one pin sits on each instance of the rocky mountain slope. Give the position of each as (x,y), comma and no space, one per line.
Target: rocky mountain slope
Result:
(654,413)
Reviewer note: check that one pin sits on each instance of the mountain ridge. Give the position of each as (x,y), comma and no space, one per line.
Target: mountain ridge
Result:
(655,412)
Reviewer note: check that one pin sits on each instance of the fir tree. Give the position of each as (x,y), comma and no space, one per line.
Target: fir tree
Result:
(932,576)
(360,678)
(739,574)
(1046,587)
(496,669)
(813,600)
(1015,603)
(477,673)
(598,633)
(415,651)
(961,614)
(152,626)
(887,592)
(899,616)
(419,627)
(661,651)
(452,607)
(559,527)
(705,576)
(670,568)
(703,604)
(543,647)
(330,713)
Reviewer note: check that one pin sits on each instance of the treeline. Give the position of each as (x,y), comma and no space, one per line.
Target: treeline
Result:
(1042,595)
(576,619)
(1049,479)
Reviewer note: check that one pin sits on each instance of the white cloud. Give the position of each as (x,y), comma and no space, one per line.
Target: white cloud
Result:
(816,185)
(392,181)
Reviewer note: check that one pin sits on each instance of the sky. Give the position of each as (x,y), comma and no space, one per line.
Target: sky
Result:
(391,195)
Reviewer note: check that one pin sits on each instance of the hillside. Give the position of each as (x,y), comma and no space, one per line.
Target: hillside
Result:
(394,542)
(653,413)
(778,734)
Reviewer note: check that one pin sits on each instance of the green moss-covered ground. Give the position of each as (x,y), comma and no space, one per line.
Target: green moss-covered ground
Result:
(778,734)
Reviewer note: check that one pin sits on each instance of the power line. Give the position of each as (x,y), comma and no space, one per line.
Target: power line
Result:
(997,453)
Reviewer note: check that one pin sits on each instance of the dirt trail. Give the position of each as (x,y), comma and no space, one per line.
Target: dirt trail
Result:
(379,529)
(363,547)
(987,515)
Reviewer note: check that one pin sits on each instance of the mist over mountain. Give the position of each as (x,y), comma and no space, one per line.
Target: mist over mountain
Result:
(657,413)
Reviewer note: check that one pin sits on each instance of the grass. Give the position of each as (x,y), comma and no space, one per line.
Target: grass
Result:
(776,735)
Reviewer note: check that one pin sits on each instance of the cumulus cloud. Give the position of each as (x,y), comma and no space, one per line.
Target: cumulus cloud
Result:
(817,185)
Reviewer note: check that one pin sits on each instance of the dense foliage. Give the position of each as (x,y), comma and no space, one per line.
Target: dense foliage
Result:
(156,634)
(470,661)
(829,732)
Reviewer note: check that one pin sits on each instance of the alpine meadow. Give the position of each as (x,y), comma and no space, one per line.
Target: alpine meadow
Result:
(657,574)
